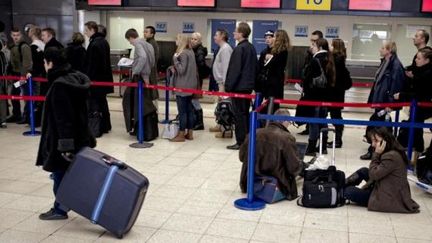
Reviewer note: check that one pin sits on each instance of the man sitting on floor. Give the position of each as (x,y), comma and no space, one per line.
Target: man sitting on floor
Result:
(276,156)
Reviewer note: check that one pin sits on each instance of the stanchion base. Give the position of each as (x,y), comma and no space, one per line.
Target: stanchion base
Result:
(244,204)
(164,122)
(141,145)
(31,134)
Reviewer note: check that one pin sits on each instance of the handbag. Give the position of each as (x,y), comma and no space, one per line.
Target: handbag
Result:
(266,189)
(170,130)
(320,81)
(94,123)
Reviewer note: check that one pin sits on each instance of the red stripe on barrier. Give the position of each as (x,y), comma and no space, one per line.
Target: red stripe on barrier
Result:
(25,98)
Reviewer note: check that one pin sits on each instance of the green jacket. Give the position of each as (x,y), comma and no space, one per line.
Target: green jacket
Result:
(21,62)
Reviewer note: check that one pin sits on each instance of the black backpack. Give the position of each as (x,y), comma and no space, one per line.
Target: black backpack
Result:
(224,114)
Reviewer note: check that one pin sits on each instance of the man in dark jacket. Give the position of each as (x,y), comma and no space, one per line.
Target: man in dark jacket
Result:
(241,79)
(49,38)
(149,35)
(98,64)
(65,125)
(277,156)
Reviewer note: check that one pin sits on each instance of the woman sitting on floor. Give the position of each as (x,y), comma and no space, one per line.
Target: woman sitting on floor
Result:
(387,188)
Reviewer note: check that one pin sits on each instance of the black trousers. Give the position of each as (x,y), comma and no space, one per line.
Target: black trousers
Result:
(100,104)
(241,114)
(16,104)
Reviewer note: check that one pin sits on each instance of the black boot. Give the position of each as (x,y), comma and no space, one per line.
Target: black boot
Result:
(199,120)
(306,131)
(311,148)
(339,133)
(368,155)
(353,180)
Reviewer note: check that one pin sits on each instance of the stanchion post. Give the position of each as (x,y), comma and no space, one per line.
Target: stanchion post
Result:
(258,101)
(395,132)
(141,143)
(250,203)
(32,131)
(413,111)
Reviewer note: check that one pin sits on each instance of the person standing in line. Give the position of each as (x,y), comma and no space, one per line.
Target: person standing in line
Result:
(49,38)
(65,124)
(320,75)
(272,65)
(149,35)
(20,64)
(420,40)
(98,68)
(76,53)
(220,68)
(141,70)
(203,72)
(185,76)
(240,78)
(37,48)
(317,34)
(263,72)
(3,86)
(390,79)
(343,83)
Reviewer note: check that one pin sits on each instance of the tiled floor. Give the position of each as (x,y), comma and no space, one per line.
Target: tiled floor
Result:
(190,199)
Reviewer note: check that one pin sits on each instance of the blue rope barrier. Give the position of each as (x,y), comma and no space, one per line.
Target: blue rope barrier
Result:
(32,131)
(141,143)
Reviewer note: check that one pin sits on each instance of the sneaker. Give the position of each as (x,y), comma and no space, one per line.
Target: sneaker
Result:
(366,156)
(3,125)
(52,215)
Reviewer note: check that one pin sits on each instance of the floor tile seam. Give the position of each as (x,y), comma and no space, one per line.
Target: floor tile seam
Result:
(177,231)
(20,221)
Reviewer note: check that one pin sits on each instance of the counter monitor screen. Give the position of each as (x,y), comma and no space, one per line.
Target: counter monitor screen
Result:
(372,5)
(105,2)
(260,3)
(196,3)
(427,6)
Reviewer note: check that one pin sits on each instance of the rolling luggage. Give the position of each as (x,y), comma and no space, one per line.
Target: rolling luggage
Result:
(323,188)
(106,191)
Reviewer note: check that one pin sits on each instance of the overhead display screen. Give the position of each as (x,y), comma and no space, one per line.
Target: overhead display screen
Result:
(105,2)
(371,5)
(260,3)
(427,6)
(196,3)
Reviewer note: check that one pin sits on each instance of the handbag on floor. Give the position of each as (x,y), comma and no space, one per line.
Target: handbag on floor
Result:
(266,188)
(170,130)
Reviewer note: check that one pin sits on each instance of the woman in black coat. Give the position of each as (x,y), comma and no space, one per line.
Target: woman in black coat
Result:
(271,72)
(343,83)
(321,68)
(98,68)
(76,53)
(421,91)
(65,124)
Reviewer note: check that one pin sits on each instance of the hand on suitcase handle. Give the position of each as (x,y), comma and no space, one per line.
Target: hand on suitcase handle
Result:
(112,161)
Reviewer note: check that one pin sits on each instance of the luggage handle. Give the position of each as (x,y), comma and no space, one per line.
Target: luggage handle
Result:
(114,162)
(332,162)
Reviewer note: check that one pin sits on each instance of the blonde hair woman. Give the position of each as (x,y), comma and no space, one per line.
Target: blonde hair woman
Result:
(185,76)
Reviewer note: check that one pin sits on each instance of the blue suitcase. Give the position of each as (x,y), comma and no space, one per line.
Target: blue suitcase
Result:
(104,190)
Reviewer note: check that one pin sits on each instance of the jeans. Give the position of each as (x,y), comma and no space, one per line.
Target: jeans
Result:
(314,128)
(358,195)
(241,115)
(57,178)
(186,112)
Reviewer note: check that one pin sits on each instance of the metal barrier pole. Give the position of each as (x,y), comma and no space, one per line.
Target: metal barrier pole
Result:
(411,129)
(250,203)
(396,129)
(32,131)
(270,109)
(167,80)
(258,101)
(141,143)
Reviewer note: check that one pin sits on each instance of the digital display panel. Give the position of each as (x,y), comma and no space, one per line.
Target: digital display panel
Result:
(260,3)
(427,6)
(196,3)
(105,2)
(372,5)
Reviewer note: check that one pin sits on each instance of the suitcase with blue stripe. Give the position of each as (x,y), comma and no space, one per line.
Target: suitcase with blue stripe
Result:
(103,189)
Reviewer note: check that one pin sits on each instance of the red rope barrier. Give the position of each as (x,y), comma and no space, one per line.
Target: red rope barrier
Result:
(25,98)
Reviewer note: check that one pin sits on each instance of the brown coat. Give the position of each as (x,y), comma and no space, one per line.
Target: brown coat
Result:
(276,156)
(391,192)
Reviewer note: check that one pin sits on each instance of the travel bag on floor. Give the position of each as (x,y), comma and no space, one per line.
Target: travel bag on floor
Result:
(106,191)
(266,188)
(323,188)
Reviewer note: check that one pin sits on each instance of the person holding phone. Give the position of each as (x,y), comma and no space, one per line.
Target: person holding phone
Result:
(387,188)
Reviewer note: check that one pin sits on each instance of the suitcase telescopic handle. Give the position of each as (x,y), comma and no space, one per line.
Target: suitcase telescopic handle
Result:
(114,162)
